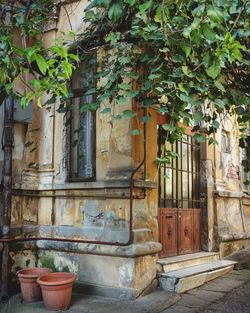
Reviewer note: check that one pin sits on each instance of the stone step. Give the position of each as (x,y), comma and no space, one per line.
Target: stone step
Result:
(182,261)
(181,280)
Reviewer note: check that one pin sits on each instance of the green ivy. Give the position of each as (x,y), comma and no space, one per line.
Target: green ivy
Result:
(22,51)
(189,59)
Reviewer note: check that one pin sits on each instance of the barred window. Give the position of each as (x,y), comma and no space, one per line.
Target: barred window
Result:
(81,127)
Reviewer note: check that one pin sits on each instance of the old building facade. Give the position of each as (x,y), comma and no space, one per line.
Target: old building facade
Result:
(90,180)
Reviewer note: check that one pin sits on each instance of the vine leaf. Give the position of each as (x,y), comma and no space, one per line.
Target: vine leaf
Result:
(214,70)
(41,63)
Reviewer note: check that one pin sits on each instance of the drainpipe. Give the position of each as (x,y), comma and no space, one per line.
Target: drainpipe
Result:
(7,190)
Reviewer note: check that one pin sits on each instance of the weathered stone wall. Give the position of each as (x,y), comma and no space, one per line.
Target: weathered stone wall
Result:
(230,217)
(46,204)
(246,210)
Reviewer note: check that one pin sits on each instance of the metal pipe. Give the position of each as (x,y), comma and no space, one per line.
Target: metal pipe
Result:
(7,190)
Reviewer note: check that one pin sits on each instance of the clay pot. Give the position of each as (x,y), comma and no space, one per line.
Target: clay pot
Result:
(57,290)
(30,289)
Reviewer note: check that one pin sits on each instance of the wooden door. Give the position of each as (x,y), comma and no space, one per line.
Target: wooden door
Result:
(179,197)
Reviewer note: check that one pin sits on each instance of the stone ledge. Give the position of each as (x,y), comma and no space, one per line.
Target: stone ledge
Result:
(85,186)
(130,251)
(232,237)
(228,194)
(139,248)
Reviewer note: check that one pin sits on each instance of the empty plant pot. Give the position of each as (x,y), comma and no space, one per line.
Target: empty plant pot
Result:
(57,290)
(30,289)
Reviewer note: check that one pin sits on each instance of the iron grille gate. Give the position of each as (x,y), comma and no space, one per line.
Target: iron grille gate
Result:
(179,196)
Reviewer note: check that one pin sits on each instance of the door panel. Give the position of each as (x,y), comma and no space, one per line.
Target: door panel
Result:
(168,233)
(185,221)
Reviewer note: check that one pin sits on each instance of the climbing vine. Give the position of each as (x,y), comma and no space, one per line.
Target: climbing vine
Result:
(23,53)
(189,59)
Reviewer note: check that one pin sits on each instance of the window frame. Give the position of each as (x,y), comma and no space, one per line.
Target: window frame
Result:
(77,93)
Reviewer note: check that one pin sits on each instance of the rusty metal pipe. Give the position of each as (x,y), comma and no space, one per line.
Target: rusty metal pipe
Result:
(7,191)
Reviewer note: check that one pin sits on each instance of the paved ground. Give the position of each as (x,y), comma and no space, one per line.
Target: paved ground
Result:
(154,303)
(237,301)
(229,294)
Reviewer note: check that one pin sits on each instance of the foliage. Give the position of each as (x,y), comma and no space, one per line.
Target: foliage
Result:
(22,52)
(189,59)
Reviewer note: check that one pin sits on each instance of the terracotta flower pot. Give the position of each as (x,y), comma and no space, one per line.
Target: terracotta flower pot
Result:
(57,290)
(30,289)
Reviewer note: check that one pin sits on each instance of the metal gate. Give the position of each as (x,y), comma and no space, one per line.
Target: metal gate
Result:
(179,196)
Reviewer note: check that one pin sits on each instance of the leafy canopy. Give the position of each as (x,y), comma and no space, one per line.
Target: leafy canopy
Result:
(22,52)
(187,58)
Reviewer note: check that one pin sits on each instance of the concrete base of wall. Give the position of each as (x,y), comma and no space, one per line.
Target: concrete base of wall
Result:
(229,247)
(120,272)
(112,276)
(116,293)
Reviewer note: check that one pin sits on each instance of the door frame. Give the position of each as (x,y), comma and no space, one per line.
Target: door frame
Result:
(183,239)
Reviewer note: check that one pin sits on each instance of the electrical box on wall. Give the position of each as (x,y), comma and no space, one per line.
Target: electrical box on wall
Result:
(22,115)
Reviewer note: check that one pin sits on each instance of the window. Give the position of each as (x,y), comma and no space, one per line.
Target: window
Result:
(225,142)
(81,128)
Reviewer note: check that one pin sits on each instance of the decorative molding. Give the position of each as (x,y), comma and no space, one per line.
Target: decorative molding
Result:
(228,194)
(235,236)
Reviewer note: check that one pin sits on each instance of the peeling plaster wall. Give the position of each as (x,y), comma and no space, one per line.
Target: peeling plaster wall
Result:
(123,277)
(246,210)
(45,204)
(223,215)
(230,218)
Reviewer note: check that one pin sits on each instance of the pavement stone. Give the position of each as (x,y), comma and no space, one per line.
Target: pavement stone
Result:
(155,302)
(192,301)
(222,285)
(180,309)
(207,295)
(240,275)
(236,301)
